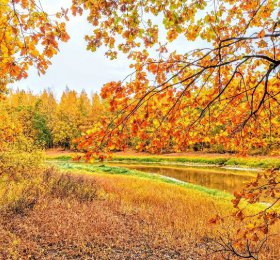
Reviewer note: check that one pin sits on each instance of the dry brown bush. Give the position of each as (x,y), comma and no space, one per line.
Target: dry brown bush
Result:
(69,185)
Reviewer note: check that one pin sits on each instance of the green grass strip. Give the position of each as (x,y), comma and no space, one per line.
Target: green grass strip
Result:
(262,163)
(155,177)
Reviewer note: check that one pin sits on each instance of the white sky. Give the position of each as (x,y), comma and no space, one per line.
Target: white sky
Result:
(76,67)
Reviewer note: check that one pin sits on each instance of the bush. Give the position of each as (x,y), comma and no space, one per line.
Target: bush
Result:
(20,159)
(21,168)
(67,185)
(24,200)
(24,179)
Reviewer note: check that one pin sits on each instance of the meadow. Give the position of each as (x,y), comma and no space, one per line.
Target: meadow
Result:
(76,210)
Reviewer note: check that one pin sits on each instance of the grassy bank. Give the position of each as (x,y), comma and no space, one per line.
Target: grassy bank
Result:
(92,169)
(200,159)
(219,161)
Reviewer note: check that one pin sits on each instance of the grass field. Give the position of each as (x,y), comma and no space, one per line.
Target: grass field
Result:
(132,216)
(102,212)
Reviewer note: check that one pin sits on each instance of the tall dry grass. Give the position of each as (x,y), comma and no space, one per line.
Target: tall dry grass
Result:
(105,216)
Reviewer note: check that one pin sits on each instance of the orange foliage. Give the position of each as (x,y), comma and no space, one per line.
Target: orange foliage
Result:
(28,37)
(226,93)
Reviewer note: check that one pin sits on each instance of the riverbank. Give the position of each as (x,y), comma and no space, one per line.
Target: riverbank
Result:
(89,169)
(192,158)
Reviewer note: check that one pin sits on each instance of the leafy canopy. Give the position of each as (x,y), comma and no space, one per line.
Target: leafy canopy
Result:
(225,92)
(28,37)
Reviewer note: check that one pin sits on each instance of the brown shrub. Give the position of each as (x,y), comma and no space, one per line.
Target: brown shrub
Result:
(69,185)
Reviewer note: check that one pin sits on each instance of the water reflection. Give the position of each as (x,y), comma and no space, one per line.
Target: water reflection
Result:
(221,179)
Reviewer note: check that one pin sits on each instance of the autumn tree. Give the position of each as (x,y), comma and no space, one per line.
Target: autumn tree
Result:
(84,108)
(99,108)
(249,230)
(72,117)
(228,87)
(28,37)
(24,110)
(9,127)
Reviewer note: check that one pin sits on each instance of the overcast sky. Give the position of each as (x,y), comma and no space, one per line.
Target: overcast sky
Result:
(76,67)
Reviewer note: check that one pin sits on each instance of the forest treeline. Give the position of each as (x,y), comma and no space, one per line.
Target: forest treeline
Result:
(46,121)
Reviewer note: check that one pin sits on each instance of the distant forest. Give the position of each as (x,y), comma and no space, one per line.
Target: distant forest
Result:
(48,122)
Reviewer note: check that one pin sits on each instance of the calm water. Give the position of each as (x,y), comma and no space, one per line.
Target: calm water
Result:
(212,177)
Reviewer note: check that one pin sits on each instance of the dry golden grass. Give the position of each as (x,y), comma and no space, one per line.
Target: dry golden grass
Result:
(125,218)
